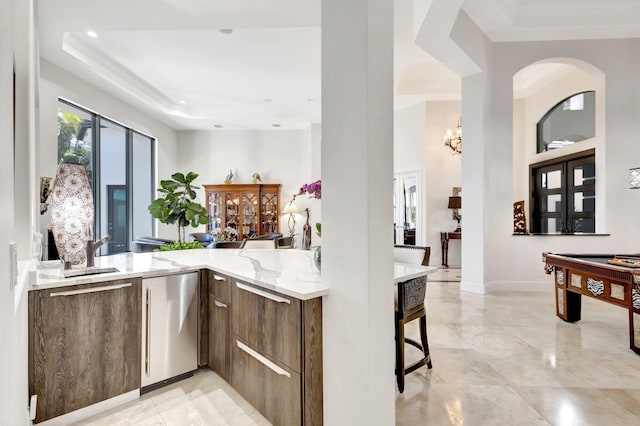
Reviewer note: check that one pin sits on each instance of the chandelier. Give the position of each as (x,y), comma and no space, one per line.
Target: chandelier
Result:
(453,139)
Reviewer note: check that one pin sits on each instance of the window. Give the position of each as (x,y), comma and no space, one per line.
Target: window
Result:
(569,121)
(119,163)
(564,195)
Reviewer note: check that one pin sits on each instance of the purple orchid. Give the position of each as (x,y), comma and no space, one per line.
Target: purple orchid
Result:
(314,189)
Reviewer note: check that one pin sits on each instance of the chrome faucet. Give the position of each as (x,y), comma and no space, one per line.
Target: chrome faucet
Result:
(92,247)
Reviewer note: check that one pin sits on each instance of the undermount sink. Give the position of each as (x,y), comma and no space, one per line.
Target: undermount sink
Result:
(70,273)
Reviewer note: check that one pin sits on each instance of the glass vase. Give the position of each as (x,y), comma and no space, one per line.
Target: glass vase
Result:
(317,257)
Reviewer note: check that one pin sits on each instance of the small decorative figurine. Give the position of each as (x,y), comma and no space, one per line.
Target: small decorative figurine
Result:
(306,233)
(519,218)
(256,177)
(229,177)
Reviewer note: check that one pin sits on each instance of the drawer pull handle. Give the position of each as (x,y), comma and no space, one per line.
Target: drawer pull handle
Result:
(218,278)
(90,290)
(263,360)
(262,293)
(219,304)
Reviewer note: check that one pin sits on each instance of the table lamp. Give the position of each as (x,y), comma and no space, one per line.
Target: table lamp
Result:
(291,209)
(455,203)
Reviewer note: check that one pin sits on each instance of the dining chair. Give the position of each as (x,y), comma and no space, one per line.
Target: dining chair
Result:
(258,244)
(226,245)
(409,306)
(416,255)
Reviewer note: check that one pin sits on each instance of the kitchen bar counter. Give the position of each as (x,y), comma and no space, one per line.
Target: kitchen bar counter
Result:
(290,272)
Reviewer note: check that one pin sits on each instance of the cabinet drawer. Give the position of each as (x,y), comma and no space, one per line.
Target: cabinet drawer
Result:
(271,387)
(219,287)
(269,321)
(219,347)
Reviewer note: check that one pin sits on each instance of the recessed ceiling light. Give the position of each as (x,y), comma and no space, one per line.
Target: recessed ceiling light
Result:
(275,125)
(218,126)
(226,30)
(92,34)
(182,102)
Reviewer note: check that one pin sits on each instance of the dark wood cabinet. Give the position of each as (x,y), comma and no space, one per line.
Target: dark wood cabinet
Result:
(276,353)
(84,344)
(219,306)
(270,386)
(269,322)
(239,211)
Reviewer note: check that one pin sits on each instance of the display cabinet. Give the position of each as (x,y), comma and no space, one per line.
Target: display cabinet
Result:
(238,211)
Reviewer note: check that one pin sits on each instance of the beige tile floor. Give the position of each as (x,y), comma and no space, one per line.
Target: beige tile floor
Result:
(498,359)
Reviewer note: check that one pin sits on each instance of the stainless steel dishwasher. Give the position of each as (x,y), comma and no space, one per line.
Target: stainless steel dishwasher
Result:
(169,329)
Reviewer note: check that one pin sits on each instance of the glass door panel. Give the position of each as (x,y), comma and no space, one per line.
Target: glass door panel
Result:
(406,202)
(75,137)
(269,213)
(215,215)
(249,214)
(113,175)
(231,216)
(551,179)
(142,185)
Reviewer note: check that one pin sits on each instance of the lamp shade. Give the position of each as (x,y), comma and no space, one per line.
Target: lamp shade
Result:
(71,212)
(290,208)
(455,202)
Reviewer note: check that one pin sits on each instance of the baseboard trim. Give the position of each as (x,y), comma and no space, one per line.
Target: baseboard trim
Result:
(495,286)
(91,410)
(472,287)
(522,286)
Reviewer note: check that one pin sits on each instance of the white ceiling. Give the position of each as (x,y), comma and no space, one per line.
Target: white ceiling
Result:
(170,59)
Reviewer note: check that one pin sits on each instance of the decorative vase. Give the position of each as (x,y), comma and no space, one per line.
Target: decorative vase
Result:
(317,257)
(71,212)
(306,233)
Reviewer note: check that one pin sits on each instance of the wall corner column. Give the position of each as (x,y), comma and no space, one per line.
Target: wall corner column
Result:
(357,213)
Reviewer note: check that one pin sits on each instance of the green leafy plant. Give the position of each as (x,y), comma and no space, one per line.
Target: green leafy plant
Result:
(180,245)
(71,149)
(177,205)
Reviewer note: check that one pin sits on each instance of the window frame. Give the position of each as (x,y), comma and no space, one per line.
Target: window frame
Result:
(96,120)
(566,164)
(539,137)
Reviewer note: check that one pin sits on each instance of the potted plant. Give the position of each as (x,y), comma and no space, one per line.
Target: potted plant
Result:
(177,206)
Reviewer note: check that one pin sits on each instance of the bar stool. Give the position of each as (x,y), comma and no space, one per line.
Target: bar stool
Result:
(409,306)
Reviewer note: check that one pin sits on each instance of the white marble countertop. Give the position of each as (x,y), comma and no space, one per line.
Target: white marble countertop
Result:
(290,272)
(407,271)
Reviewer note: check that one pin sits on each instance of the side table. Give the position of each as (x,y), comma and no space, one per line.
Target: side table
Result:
(444,242)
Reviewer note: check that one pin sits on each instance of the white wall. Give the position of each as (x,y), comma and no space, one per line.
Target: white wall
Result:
(17,193)
(419,146)
(409,155)
(528,111)
(55,83)
(443,173)
(280,156)
(514,261)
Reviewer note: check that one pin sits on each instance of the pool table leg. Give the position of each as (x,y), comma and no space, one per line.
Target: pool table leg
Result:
(634,315)
(568,303)
(574,306)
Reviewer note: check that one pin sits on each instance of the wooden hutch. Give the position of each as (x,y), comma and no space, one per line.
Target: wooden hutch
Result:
(238,211)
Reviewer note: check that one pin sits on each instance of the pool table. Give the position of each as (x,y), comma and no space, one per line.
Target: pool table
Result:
(592,275)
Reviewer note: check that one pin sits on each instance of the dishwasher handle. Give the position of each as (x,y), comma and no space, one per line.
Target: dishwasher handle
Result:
(148,332)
